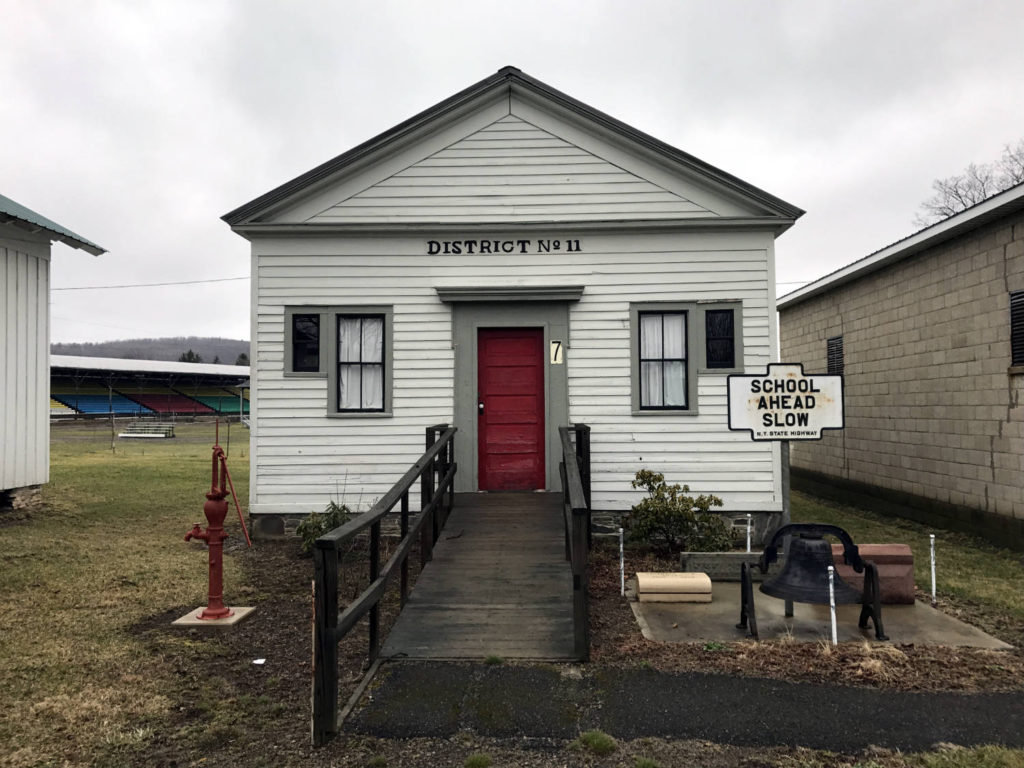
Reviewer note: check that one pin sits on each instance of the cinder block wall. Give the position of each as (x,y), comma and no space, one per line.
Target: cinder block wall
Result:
(934,414)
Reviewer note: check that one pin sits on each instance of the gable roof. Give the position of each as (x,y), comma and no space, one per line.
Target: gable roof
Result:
(15,213)
(508,79)
(995,207)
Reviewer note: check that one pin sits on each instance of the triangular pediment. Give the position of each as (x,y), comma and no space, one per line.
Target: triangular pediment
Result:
(511,170)
(511,150)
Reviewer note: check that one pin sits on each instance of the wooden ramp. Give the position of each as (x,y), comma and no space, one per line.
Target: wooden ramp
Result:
(498,585)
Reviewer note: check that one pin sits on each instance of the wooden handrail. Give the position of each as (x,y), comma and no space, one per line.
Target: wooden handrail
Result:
(338,536)
(328,627)
(576,518)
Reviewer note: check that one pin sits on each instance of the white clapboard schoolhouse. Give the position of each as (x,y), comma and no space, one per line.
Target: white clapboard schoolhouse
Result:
(508,261)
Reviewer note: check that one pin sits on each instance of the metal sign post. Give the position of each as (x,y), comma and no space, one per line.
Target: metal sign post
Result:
(781,405)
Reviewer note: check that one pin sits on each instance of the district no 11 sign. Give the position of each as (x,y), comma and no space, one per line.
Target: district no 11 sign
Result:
(785,403)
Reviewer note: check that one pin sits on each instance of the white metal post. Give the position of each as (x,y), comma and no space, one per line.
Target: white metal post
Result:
(622,566)
(748,532)
(832,602)
(934,601)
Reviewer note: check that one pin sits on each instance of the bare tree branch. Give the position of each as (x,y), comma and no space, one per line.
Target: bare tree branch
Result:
(977,183)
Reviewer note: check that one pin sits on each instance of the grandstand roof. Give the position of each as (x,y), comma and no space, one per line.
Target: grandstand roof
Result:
(11,211)
(239,373)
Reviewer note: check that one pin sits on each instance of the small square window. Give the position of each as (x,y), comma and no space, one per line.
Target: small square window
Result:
(720,338)
(305,343)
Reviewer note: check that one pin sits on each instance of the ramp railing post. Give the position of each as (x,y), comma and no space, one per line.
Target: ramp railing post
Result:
(325,644)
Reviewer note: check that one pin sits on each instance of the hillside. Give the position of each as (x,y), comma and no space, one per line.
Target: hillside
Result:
(209,348)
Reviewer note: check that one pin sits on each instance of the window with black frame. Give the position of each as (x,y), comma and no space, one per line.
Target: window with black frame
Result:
(361,358)
(719,337)
(663,360)
(305,343)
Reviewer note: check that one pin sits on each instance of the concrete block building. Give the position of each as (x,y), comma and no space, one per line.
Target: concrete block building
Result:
(929,335)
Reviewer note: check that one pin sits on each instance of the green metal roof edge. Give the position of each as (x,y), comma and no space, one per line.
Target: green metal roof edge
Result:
(9,208)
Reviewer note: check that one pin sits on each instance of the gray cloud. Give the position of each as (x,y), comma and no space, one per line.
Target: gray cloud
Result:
(138,124)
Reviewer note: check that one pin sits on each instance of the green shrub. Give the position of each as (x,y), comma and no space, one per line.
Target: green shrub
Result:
(319,523)
(479,760)
(670,519)
(597,742)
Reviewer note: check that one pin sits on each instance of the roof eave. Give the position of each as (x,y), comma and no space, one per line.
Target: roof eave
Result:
(58,237)
(318,229)
(977,215)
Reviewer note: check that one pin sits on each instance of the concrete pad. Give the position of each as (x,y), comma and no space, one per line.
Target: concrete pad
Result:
(191,619)
(716,622)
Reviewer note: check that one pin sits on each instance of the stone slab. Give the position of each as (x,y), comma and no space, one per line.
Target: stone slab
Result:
(716,622)
(675,597)
(650,582)
(191,619)
(725,566)
(895,564)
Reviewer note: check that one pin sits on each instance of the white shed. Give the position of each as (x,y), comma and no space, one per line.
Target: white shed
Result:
(508,261)
(25,239)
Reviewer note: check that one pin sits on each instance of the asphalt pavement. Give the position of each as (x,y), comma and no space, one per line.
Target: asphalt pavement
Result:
(438,699)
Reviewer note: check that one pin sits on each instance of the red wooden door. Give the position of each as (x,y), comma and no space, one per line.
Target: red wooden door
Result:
(510,409)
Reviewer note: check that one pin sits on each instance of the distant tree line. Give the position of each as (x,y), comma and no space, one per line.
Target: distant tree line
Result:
(193,349)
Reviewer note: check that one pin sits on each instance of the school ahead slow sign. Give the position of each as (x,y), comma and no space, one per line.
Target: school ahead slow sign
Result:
(785,403)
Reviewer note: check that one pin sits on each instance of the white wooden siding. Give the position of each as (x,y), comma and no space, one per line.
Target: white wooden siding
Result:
(510,171)
(24,359)
(301,458)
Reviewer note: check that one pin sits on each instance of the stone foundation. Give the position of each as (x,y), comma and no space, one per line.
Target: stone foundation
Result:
(27,498)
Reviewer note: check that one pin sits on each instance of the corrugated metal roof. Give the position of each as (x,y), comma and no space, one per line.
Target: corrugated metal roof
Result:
(146,366)
(1004,203)
(10,210)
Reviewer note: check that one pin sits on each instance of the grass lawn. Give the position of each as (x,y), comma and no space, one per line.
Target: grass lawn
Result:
(974,578)
(91,674)
(107,552)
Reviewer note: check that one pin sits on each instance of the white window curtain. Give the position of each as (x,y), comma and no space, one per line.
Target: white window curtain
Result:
(663,360)
(360,363)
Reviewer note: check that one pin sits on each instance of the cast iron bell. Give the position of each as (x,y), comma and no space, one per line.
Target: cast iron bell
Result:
(804,577)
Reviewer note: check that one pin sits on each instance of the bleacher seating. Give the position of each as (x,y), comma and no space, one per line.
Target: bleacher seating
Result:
(219,400)
(93,400)
(57,408)
(165,400)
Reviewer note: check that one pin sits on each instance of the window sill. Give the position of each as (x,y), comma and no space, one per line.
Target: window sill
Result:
(305,374)
(720,371)
(360,415)
(665,412)
(1015,370)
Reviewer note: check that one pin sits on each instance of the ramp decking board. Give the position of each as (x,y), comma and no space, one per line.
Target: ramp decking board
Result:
(498,584)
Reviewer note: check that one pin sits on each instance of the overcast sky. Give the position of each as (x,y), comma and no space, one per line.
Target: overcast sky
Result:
(139,124)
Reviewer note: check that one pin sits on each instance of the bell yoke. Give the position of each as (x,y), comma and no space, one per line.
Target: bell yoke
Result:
(804,578)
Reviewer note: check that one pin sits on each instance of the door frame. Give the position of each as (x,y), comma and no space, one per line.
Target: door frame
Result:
(468,317)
